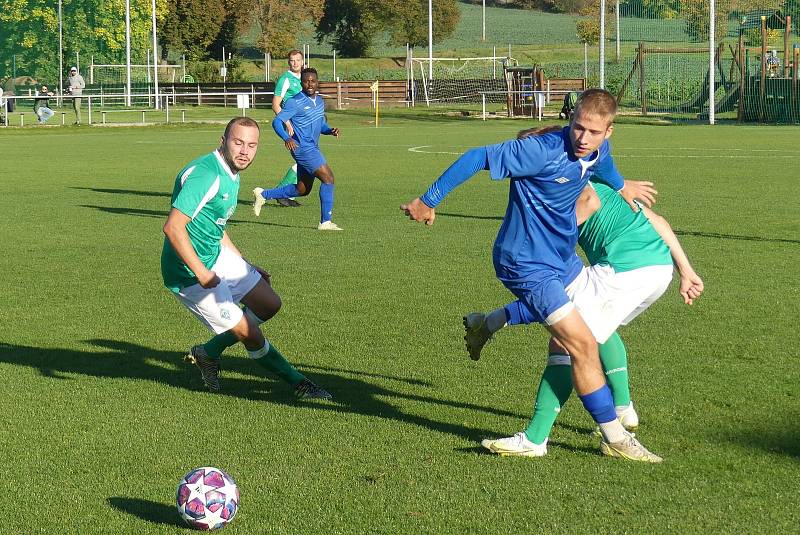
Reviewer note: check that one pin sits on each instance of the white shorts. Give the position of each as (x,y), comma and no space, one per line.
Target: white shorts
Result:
(218,307)
(606,299)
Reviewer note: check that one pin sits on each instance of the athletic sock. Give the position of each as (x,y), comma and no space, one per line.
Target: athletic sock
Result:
(281,192)
(518,314)
(614,358)
(496,319)
(554,391)
(271,359)
(325,202)
(600,404)
(289,178)
(220,343)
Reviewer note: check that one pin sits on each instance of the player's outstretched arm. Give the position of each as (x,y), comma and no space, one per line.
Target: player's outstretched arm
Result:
(638,190)
(417,210)
(178,236)
(691,284)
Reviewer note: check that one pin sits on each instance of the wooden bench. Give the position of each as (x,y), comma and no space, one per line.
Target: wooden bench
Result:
(560,86)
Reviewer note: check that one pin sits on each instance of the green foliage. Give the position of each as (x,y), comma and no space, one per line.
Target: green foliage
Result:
(651,9)
(352,25)
(572,6)
(279,21)
(696,13)
(752,37)
(91,28)
(191,26)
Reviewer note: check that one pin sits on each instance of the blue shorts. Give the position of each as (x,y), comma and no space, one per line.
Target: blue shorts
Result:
(545,297)
(308,161)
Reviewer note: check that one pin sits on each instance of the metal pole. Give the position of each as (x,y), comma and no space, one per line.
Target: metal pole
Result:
(711,61)
(602,44)
(334,64)
(60,55)
(155,56)
(483,27)
(430,39)
(266,68)
(91,71)
(585,60)
(128,53)
(78,60)
(183,61)
(616,13)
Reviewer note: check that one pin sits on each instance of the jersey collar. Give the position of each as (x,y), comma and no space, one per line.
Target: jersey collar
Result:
(233,176)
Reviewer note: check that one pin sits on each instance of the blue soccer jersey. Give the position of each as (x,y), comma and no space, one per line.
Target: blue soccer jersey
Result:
(534,252)
(307,115)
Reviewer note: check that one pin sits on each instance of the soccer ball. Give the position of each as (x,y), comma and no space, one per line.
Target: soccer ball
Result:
(207,498)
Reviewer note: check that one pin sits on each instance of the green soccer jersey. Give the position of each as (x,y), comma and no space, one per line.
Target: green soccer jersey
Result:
(206,190)
(617,236)
(288,85)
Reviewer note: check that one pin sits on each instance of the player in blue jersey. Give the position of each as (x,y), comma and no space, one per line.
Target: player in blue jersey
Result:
(306,111)
(534,252)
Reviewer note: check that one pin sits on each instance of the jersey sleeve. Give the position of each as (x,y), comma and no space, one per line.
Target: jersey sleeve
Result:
(516,158)
(282,86)
(199,185)
(460,171)
(606,170)
(289,110)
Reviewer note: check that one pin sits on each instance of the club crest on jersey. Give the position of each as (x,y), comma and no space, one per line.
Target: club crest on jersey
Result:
(562,180)
(225,196)
(225,314)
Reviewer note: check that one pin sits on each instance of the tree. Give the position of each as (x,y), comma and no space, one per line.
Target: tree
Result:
(355,23)
(91,28)
(191,26)
(279,21)
(697,14)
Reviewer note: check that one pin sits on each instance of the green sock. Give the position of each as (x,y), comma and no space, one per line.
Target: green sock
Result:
(220,343)
(554,391)
(290,177)
(614,358)
(277,364)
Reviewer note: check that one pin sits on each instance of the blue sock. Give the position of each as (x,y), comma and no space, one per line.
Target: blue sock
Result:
(325,202)
(281,192)
(600,405)
(518,314)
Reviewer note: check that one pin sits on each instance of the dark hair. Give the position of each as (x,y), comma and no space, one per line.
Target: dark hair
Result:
(244,121)
(538,131)
(308,70)
(597,102)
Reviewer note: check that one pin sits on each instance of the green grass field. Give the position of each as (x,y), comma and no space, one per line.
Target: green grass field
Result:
(102,418)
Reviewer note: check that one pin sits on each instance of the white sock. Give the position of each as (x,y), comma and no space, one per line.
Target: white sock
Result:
(613,431)
(496,320)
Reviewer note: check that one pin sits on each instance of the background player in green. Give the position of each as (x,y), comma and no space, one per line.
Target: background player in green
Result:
(631,256)
(207,273)
(287,86)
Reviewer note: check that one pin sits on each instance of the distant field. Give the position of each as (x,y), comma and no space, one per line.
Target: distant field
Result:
(101,417)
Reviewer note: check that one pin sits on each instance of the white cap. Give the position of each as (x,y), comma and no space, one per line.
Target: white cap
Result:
(74,69)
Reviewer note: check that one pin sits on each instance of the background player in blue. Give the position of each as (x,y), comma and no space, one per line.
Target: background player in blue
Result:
(534,252)
(306,111)
(207,273)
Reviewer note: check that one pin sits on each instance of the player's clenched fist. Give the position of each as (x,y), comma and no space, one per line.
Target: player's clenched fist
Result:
(419,211)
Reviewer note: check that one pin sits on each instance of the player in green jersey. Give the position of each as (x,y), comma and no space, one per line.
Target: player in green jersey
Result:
(287,86)
(207,273)
(631,256)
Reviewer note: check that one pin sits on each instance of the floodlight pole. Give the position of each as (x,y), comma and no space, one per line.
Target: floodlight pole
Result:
(616,14)
(711,61)
(430,39)
(128,53)
(155,57)
(60,55)
(602,44)
(483,27)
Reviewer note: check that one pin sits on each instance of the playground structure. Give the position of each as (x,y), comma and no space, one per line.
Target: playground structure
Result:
(765,94)
(529,90)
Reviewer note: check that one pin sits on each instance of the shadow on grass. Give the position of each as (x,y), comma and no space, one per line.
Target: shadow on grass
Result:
(154,512)
(124,360)
(161,214)
(783,441)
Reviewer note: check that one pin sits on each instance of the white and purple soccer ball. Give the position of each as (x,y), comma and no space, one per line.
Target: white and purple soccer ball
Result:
(207,498)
